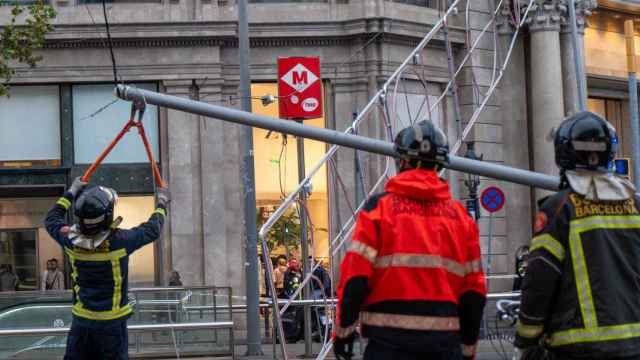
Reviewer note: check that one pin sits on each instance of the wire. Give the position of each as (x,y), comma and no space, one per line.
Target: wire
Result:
(113,57)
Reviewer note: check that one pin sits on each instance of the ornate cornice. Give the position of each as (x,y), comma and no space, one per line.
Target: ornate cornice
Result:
(583,10)
(223,34)
(545,15)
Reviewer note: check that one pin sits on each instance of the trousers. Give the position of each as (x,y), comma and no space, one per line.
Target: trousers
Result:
(377,351)
(95,343)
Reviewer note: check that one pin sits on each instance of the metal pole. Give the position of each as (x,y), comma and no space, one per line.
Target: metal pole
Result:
(492,170)
(577,58)
(305,245)
(629,33)
(248,179)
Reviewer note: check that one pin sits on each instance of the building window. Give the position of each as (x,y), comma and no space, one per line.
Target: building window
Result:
(277,175)
(95,125)
(24,242)
(411,108)
(604,42)
(32,111)
(18,254)
(134,211)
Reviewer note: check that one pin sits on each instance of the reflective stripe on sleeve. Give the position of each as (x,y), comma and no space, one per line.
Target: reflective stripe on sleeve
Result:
(549,243)
(363,250)
(410,322)
(529,331)
(64,202)
(161,211)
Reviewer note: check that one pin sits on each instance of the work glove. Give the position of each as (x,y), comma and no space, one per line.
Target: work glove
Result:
(537,352)
(343,347)
(163,197)
(77,186)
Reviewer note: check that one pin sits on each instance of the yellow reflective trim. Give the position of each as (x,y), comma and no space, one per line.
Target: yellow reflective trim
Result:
(582,281)
(604,333)
(117,283)
(108,256)
(74,277)
(78,310)
(161,211)
(583,285)
(529,331)
(549,243)
(64,202)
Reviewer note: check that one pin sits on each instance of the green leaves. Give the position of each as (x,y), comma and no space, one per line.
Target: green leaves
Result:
(19,41)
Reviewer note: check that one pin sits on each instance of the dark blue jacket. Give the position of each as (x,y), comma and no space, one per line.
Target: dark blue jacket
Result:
(100,277)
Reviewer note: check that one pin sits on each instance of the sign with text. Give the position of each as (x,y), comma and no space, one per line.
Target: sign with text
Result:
(299,88)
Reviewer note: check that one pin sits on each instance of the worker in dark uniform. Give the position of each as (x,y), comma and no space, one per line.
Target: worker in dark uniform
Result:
(99,255)
(581,291)
(412,275)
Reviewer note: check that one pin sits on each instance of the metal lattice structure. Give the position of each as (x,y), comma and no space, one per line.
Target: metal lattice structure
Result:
(390,109)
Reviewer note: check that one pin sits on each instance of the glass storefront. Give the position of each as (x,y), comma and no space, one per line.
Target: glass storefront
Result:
(134,211)
(26,246)
(24,242)
(276,168)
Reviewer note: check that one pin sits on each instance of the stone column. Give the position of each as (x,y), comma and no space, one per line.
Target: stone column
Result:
(547,105)
(569,79)
(513,108)
(184,176)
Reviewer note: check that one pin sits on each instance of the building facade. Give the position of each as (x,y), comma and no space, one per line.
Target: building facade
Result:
(62,113)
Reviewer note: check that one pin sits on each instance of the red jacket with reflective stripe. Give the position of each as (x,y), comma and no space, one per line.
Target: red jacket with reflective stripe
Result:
(413,264)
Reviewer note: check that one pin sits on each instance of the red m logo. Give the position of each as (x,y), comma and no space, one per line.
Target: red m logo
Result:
(300,77)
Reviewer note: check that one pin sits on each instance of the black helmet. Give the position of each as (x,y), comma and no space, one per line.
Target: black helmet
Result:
(94,207)
(422,145)
(585,141)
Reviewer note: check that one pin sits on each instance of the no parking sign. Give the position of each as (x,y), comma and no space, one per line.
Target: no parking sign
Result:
(492,199)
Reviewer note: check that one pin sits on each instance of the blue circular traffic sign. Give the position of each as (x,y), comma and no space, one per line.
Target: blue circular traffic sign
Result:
(492,199)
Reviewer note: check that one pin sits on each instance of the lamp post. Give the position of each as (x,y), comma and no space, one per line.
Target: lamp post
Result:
(472,183)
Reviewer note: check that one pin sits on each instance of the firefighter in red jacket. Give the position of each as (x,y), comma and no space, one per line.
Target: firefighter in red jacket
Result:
(412,276)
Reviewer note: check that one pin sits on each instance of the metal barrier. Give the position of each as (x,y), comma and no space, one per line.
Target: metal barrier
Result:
(134,329)
(163,308)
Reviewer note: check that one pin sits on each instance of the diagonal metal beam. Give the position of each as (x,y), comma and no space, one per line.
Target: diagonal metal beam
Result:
(347,139)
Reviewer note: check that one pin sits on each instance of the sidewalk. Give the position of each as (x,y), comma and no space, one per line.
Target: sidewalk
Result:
(296,351)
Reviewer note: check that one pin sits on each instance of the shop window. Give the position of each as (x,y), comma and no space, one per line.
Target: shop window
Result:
(277,175)
(33,112)
(134,211)
(18,254)
(25,217)
(96,122)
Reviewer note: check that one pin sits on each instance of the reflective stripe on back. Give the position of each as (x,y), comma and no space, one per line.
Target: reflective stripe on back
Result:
(592,332)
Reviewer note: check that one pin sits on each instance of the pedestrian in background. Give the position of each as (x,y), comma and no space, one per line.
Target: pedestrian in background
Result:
(52,277)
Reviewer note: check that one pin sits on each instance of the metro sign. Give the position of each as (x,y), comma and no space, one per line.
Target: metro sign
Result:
(299,88)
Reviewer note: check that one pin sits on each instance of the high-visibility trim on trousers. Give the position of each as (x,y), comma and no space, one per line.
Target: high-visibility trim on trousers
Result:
(410,322)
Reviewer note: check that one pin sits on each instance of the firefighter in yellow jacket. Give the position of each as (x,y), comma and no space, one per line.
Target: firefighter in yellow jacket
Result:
(580,296)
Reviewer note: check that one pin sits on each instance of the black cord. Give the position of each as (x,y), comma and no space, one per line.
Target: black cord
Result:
(113,57)
(282,150)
